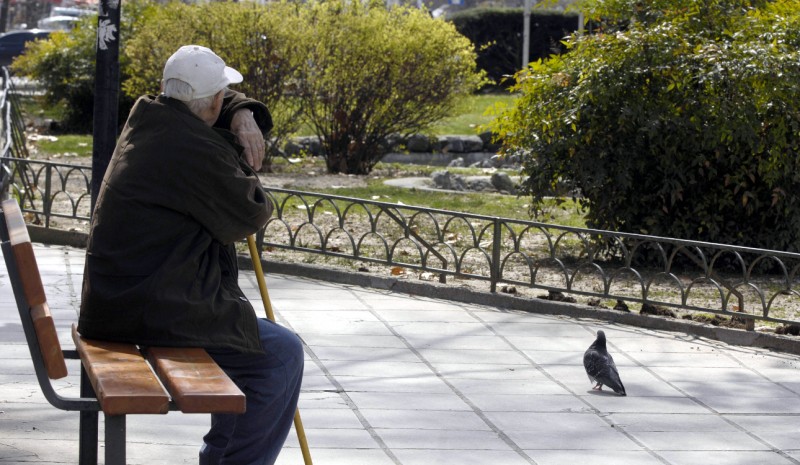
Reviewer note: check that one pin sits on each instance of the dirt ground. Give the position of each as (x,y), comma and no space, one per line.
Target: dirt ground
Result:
(311,180)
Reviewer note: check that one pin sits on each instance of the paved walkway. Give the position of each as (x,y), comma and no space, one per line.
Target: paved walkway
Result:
(395,379)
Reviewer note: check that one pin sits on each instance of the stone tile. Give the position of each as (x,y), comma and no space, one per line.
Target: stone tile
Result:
(480,356)
(433,341)
(412,385)
(704,360)
(782,440)
(735,404)
(488,371)
(490,402)
(321,400)
(509,316)
(761,423)
(652,404)
(442,439)
(449,420)
(544,343)
(338,316)
(336,456)
(378,369)
(674,422)
(408,401)
(353,329)
(460,329)
(327,353)
(544,422)
(425,315)
(564,437)
(460,457)
(573,457)
(703,389)
(692,441)
(542,329)
(479,386)
(315,303)
(723,457)
(323,418)
(700,374)
(363,341)
(331,438)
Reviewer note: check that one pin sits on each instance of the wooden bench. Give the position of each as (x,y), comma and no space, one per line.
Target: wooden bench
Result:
(116,378)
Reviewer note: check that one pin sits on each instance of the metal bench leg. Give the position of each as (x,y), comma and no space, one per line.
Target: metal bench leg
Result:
(87,430)
(115,439)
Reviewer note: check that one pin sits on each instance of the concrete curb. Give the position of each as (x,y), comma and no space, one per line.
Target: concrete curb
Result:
(454,293)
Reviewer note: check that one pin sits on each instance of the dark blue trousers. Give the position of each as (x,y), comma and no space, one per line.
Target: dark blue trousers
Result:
(271,384)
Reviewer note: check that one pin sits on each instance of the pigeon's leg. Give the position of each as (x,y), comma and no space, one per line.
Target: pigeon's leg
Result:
(599,387)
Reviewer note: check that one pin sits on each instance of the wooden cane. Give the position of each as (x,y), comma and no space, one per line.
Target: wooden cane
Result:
(262,286)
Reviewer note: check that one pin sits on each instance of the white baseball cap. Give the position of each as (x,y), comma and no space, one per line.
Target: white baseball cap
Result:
(202,69)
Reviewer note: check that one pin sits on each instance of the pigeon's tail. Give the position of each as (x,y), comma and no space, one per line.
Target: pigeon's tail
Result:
(616,385)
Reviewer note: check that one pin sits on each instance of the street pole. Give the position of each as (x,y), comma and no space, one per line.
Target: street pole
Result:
(4,15)
(526,34)
(106,91)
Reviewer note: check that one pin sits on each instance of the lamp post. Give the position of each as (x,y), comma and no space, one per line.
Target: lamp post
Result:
(526,34)
(106,91)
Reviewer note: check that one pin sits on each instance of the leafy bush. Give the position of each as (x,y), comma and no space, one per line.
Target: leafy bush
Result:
(370,72)
(497,32)
(684,124)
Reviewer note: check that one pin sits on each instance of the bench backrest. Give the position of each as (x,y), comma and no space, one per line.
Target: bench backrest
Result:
(28,290)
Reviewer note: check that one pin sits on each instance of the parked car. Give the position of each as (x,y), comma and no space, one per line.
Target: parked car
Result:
(12,44)
(57,23)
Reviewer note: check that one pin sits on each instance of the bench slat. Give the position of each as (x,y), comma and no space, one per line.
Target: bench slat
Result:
(197,384)
(29,273)
(121,377)
(47,337)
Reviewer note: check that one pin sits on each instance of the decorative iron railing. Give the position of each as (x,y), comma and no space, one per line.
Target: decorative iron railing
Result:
(743,283)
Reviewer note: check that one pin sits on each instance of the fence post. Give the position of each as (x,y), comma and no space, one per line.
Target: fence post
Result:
(494,268)
(46,200)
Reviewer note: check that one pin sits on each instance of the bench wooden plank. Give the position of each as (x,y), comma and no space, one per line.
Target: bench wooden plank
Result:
(31,282)
(122,379)
(197,384)
(29,273)
(47,337)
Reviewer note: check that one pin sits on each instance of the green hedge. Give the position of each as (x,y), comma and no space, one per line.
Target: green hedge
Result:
(686,124)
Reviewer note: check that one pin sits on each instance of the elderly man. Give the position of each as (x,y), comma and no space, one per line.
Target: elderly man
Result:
(160,264)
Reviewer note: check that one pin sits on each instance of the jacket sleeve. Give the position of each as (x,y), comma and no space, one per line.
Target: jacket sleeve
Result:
(234,101)
(227,201)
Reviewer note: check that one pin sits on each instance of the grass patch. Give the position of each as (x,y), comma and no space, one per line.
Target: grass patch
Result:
(33,106)
(471,113)
(487,204)
(65,145)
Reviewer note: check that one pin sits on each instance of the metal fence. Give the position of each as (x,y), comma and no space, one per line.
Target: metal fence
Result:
(738,282)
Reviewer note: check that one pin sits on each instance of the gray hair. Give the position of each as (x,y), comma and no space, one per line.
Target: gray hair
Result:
(180,90)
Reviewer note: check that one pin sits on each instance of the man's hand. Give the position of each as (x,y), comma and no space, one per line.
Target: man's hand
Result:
(244,126)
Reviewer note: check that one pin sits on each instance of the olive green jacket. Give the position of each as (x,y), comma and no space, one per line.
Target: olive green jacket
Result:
(160,263)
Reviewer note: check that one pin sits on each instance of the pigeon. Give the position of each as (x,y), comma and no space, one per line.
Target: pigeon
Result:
(600,366)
